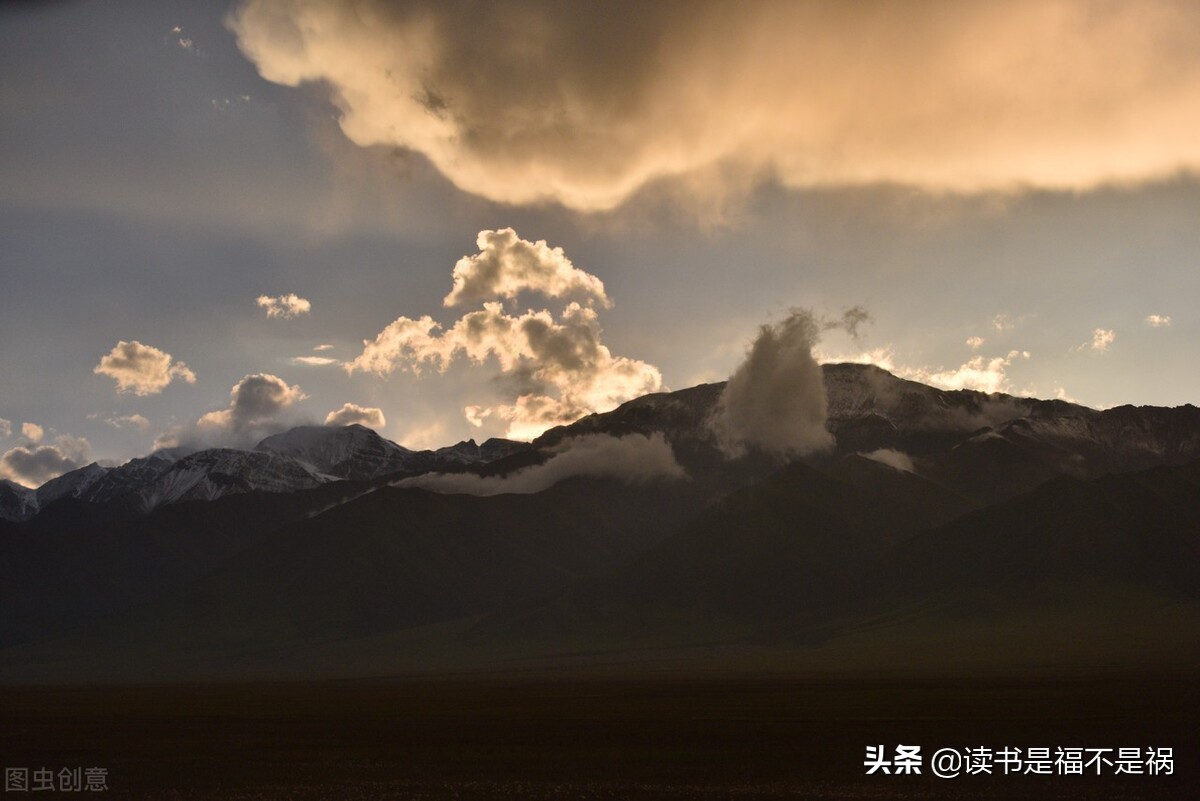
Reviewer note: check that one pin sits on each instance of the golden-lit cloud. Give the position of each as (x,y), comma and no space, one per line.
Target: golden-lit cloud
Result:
(556,370)
(586,103)
(553,370)
(1102,338)
(142,369)
(979,373)
(507,265)
(32,432)
(313,361)
(1158,320)
(284,306)
(351,413)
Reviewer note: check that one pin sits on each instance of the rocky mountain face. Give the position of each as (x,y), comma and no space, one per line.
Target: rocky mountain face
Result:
(294,460)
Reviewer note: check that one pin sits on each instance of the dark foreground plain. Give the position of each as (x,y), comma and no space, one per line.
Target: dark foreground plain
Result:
(593,736)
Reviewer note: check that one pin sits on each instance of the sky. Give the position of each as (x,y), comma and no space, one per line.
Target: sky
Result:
(448,220)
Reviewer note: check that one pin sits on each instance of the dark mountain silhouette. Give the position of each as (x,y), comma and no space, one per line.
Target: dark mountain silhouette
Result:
(939,517)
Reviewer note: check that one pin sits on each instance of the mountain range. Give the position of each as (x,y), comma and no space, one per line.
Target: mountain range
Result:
(982,527)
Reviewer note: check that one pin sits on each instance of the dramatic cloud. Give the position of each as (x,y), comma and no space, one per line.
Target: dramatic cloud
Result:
(553,370)
(975,343)
(892,458)
(353,413)
(1102,338)
(586,103)
(284,306)
(34,466)
(507,265)
(775,400)
(32,432)
(1158,320)
(255,404)
(634,458)
(142,369)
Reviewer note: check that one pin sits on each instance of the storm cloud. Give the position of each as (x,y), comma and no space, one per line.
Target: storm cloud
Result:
(588,103)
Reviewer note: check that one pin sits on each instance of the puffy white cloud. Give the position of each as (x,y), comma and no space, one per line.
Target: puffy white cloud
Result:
(507,265)
(1158,320)
(255,405)
(585,104)
(32,466)
(892,458)
(775,400)
(975,343)
(142,369)
(634,459)
(1102,338)
(368,416)
(32,432)
(284,306)
(552,370)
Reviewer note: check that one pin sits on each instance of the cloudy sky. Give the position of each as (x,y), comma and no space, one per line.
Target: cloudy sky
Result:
(447,220)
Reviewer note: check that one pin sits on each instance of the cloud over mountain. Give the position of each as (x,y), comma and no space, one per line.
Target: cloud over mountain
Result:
(994,95)
(142,369)
(634,458)
(350,413)
(775,400)
(256,404)
(552,370)
(34,465)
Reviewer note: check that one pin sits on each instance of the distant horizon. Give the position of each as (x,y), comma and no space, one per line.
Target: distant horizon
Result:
(191,449)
